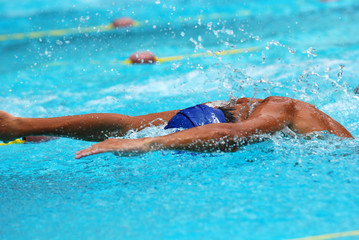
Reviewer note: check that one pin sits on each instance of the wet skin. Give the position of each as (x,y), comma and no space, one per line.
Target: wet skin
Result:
(270,115)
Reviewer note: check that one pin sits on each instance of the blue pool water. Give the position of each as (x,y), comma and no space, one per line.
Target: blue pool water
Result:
(282,188)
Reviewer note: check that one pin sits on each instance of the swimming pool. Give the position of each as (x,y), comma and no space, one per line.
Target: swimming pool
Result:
(282,188)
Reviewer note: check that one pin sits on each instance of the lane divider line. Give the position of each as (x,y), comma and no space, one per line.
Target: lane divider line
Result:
(197,55)
(108,27)
(60,32)
(54,33)
(16,141)
(331,236)
(166,59)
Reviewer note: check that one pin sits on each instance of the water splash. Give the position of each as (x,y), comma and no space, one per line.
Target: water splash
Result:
(278,44)
(340,73)
(311,52)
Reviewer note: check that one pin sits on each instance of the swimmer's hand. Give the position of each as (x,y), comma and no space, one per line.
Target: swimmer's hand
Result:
(122,147)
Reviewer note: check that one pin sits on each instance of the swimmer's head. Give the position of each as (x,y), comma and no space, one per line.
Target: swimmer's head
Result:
(122,22)
(143,57)
(356,90)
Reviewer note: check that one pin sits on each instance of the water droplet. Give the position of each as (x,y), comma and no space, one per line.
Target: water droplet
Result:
(340,73)
(263,58)
(292,51)
(311,52)
(174,66)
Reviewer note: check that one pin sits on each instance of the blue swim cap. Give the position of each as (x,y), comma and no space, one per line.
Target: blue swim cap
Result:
(196,116)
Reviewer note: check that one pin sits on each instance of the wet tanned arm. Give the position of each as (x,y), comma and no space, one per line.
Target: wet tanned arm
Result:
(211,137)
(90,127)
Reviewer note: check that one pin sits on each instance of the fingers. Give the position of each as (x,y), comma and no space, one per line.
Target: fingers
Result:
(83,153)
(127,147)
(94,149)
(87,152)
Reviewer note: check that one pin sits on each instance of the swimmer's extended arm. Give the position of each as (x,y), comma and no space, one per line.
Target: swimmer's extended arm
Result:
(90,127)
(211,137)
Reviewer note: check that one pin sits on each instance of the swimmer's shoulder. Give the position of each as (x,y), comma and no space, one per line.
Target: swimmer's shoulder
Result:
(279,101)
(241,101)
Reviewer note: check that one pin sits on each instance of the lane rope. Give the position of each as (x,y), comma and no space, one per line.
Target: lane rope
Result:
(109,27)
(331,236)
(167,59)
(61,32)
(197,55)
(55,33)
(16,141)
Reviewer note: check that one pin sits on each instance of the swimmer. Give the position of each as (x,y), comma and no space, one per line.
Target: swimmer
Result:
(143,57)
(213,126)
(122,22)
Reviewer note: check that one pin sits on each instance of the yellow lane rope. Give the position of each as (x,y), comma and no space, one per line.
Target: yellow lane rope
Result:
(54,33)
(60,32)
(197,55)
(104,28)
(217,53)
(17,141)
(167,59)
(331,236)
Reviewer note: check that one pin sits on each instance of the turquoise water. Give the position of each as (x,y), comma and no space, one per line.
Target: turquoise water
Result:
(279,189)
